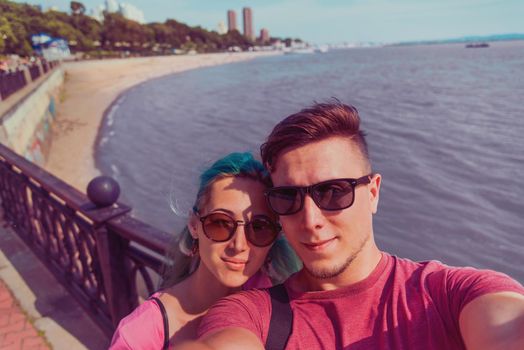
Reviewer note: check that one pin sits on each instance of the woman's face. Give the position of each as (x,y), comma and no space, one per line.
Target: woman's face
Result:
(234,261)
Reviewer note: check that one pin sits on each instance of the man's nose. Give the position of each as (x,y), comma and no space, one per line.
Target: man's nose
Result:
(312,215)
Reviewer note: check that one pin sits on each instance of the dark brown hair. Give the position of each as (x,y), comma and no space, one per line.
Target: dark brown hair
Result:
(316,123)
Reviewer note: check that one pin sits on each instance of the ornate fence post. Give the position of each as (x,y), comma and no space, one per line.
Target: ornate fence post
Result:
(103,191)
(27,75)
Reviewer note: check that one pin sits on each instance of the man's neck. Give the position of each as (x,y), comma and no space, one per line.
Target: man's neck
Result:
(358,270)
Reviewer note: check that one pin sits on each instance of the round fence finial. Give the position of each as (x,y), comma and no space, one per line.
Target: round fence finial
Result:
(103,191)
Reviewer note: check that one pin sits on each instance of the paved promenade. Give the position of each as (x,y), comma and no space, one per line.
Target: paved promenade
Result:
(16,330)
(36,312)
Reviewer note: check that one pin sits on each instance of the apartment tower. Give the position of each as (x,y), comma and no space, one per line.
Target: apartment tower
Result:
(231,20)
(248,23)
(264,35)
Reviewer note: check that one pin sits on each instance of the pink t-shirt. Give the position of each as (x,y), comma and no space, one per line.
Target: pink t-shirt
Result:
(401,305)
(141,329)
(144,327)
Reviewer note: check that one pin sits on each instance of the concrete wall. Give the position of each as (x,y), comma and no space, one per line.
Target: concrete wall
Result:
(26,128)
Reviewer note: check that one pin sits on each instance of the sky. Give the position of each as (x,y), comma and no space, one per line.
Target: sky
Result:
(338,21)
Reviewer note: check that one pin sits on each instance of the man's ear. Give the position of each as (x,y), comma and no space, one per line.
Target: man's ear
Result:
(374,191)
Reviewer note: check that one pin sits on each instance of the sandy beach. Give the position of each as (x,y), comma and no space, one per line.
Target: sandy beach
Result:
(90,88)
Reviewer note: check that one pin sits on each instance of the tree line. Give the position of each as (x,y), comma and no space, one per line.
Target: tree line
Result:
(113,35)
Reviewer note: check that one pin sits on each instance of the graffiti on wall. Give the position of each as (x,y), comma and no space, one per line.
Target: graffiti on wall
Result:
(39,144)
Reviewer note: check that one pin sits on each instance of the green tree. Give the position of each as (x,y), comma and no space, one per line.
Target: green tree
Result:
(235,38)
(121,33)
(6,33)
(77,8)
(90,29)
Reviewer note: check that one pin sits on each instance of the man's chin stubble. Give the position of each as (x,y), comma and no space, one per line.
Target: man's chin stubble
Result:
(333,272)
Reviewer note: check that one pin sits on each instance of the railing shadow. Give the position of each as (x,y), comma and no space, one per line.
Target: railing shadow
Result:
(35,286)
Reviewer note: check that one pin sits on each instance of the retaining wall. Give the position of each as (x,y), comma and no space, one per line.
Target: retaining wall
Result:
(26,128)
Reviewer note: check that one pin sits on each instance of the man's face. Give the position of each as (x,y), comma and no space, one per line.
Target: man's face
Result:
(328,241)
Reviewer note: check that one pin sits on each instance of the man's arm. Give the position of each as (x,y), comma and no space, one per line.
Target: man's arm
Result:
(231,338)
(494,321)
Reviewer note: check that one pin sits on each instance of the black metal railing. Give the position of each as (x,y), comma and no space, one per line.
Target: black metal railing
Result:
(11,83)
(34,71)
(97,253)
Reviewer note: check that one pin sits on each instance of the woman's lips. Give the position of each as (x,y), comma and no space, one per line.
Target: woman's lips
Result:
(235,264)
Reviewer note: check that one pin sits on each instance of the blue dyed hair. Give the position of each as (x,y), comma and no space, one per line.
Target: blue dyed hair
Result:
(283,260)
(232,165)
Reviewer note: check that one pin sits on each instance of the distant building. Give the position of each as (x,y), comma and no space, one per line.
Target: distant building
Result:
(231,20)
(111,6)
(221,28)
(264,35)
(98,13)
(131,12)
(248,23)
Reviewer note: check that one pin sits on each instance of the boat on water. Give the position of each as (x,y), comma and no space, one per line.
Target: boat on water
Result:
(306,50)
(302,50)
(321,49)
(476,45)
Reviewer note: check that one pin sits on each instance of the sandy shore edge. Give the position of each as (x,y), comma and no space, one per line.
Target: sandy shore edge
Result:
(90,89)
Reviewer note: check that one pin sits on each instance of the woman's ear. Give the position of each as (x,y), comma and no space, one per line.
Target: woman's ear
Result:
(192,225)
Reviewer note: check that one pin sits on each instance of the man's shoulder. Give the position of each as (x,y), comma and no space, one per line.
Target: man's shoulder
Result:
(249,309)
(435,276)
(255,294)
(426,268)
(410,269)
(252,301)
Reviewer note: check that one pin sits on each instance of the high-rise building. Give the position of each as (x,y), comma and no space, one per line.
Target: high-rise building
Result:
(264,35)
(248,22)
(221,28)
(231,20)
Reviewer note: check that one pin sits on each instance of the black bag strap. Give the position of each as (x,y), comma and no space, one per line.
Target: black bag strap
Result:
(281,318)
(166,322)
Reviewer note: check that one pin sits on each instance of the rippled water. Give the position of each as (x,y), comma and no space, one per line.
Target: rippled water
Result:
(445,126)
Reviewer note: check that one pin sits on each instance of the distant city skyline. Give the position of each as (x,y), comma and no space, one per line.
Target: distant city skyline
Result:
(247,22)
(335,21)
(231,20)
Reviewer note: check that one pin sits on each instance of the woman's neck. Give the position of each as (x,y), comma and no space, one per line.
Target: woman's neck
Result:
(188,301)
(200,291)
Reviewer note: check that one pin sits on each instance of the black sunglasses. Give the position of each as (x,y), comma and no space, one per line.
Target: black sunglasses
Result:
(261,231)
(331,195)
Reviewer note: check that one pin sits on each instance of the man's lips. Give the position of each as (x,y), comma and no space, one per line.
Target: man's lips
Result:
(319,245)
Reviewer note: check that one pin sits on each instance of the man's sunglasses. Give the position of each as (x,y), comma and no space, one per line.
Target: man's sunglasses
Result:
(220,227)
(332,195)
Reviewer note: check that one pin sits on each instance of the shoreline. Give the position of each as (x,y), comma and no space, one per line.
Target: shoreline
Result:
(90,91)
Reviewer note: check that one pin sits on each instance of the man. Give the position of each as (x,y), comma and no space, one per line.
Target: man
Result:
(350,295)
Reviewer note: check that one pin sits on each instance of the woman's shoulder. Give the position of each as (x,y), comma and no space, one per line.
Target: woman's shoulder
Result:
(141,329)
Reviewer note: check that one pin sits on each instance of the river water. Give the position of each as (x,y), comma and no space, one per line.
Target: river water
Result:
(445,127)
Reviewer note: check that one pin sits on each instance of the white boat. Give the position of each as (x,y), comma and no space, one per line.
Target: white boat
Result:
(299,50)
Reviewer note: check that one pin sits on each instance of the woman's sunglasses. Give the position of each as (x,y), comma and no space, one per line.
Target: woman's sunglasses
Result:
(261,231)
(331,195)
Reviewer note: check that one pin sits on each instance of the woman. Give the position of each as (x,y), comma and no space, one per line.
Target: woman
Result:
(223,248)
